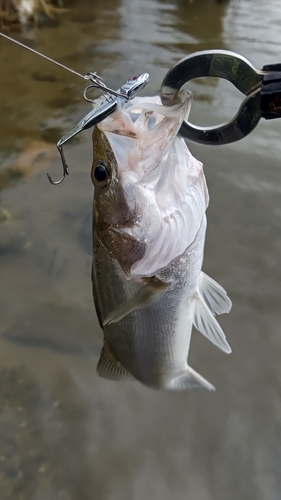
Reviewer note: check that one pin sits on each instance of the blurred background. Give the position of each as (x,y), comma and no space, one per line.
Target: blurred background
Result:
(66,434)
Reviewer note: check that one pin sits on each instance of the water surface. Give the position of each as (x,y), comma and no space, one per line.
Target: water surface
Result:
(65,433)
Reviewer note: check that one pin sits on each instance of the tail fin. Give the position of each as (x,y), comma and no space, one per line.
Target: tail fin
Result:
(189,379)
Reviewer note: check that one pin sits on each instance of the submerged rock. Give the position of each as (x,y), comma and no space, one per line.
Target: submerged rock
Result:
(24,11)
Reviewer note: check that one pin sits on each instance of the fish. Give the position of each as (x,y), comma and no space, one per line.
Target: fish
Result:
(149,225)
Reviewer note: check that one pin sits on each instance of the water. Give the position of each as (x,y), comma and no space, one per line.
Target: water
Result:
(66,434)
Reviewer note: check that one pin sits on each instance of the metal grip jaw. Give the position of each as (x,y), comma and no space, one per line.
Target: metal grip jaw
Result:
(261,88)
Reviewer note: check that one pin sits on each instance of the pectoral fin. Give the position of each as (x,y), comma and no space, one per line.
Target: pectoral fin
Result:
(145,295)
(109,367)
(207,324)
(189,379)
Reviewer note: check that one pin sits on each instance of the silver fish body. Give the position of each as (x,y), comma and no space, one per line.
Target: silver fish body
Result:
(148,288)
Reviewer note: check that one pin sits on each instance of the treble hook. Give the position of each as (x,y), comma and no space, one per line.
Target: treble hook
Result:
(96,82)
(64,166)
(96,115)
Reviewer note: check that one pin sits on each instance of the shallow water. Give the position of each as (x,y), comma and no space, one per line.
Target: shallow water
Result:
(65,433)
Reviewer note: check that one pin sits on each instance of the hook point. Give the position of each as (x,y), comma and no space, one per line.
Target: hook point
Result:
(55,183)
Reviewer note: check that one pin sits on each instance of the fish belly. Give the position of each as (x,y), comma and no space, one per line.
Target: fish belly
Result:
(152,341)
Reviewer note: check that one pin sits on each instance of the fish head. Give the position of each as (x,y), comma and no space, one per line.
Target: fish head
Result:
(110,201)
(141,178)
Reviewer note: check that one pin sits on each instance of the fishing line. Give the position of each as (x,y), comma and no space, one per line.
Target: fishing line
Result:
(45,57)
(96,80)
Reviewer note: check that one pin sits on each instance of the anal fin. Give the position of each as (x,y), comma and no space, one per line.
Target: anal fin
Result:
(109,367)
(189,379)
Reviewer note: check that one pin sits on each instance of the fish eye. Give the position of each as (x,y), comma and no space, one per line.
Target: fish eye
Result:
(100,174)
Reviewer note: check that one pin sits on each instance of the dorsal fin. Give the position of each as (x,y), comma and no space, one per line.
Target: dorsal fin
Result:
(214,295)
(207,324)
(109,367)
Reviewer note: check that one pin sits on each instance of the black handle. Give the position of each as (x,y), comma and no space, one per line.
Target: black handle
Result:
(270,102)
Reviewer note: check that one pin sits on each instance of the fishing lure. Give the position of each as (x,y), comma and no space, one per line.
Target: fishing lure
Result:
(111,98)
